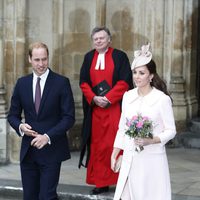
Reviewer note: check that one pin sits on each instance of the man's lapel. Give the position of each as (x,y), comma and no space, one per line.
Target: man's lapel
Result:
(29,91)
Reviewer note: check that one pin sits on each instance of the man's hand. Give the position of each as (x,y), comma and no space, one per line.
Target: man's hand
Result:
(39,141)
(27,130)
(101,101)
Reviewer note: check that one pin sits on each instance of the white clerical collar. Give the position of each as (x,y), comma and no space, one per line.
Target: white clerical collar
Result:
(100,64)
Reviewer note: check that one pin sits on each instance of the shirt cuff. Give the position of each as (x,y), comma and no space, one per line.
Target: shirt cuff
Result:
(49,141)
(20,130)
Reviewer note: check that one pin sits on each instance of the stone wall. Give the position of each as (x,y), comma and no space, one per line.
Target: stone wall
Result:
(65,26)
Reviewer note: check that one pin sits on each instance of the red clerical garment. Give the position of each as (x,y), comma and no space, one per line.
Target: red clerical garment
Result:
(104,123)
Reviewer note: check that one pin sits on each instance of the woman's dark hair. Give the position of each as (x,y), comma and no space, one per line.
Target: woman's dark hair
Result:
(157,82)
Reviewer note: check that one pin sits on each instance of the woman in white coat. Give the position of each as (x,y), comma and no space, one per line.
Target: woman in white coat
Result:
(144,175)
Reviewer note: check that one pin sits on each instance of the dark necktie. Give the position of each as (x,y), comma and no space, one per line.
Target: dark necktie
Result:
(37,95)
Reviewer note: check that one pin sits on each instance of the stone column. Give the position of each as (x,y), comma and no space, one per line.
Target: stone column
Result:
(173,56)
(100,12)
(14,59)
(57,26)
(191,16)
(3,107)
(3,111)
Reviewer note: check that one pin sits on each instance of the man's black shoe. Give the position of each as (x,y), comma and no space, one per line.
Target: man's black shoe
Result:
(99,190)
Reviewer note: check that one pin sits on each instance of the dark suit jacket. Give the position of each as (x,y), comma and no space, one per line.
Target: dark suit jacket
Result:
(56,114)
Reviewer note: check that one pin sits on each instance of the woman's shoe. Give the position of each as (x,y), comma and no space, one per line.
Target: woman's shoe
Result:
(99,190)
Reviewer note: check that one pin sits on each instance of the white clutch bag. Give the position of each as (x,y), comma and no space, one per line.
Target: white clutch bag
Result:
(118,164)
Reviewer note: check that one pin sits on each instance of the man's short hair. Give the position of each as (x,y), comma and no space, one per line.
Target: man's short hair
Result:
(100,28)
(37,45)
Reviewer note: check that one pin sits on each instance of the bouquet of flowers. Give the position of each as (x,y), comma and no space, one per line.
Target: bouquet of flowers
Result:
(139,127)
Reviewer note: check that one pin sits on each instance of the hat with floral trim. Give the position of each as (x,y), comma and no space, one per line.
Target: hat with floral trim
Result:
(141,57)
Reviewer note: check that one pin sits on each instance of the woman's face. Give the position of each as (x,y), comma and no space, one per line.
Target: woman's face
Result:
(142,77)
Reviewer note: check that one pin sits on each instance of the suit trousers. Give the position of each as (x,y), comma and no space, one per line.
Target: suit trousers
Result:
(39,178)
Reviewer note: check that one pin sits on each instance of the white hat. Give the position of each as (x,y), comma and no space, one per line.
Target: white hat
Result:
(141,57)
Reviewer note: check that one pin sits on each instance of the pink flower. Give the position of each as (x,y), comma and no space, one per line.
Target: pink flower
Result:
(134,118)
(128,122)
(139,124)
(145,118)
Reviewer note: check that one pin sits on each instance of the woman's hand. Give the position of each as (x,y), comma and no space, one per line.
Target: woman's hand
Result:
(143,141)
(114,161)
(146,141)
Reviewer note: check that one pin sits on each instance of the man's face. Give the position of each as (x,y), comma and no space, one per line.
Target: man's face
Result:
(39,61)
(101,41)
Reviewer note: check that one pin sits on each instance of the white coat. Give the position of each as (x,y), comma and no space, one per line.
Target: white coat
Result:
(147,171)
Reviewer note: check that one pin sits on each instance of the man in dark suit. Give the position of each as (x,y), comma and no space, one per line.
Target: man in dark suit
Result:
(48,109)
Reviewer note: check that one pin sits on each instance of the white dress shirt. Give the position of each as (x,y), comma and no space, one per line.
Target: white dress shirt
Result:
(43,79)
